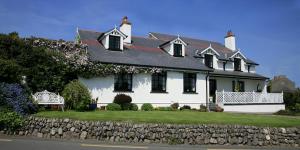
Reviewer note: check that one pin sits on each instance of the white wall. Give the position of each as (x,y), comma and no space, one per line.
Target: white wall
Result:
(103,87)
(271,108)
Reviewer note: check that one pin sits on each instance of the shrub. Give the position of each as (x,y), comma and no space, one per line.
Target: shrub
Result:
(203,108)
(185,107)
(134,107)
(113,107)
(123,100)
(10,120)
(285,112)
(15,98)
(76,96)
(147,107)
(219,109)
(175,106)
(165,108)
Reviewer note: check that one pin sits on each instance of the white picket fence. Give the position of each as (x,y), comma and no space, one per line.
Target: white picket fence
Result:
(248,97)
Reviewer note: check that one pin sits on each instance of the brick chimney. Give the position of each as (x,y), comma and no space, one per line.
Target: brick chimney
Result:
(125,27)
(230,40)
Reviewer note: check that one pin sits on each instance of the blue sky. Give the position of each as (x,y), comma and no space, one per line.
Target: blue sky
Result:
(266,31)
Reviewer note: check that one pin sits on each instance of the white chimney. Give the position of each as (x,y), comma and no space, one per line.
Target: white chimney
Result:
(125,27)
(230,41)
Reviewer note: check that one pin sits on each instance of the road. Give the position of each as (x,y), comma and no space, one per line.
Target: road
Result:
(25,143)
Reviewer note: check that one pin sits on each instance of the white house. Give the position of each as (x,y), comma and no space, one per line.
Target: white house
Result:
(193,71)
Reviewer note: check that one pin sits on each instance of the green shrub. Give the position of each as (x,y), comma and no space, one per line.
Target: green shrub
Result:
(285,112)
(113,107)
(123,100)
(134,107)
(175,106)
(164,108)
(147,107)
(76,96)
(10,120)
(184,107)
(297,107)
(203,108)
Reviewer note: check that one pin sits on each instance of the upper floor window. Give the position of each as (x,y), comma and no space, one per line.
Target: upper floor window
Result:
(177,50)
(159,82)
(114,42)
(123,82)
(189,82)
(237,64)
(209,60)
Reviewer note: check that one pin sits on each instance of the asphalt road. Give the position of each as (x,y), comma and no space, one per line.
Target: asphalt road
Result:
(25,143)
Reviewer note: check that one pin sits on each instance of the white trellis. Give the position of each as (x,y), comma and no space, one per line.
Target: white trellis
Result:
(248,97)
(49,98)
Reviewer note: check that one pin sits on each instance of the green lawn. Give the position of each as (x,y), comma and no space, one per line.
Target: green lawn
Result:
(178,117)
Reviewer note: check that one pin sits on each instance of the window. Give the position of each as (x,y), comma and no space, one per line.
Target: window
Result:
(237,64)
(177,50)
(239,87)
(114,42)
(249,68)
(189,82)
(224,66)
(209,60)
(123,82)
(159,82)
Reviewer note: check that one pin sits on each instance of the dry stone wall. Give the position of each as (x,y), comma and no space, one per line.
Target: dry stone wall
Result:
(159,133)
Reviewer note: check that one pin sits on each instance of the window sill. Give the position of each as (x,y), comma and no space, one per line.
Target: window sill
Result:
(189,93)
(162,92)
(118,91)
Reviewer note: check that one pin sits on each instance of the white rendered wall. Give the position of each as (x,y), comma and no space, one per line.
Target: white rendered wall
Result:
(230,43)
(103,87)
(267,108)
(126,29)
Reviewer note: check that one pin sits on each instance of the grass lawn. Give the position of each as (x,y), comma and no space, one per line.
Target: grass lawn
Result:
(178,117)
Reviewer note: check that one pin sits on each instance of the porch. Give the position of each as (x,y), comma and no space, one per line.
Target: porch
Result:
(256,102)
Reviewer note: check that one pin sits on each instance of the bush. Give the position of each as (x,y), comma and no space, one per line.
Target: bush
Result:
(203,108)
(113,107)
(123,100)
(76,96)
(175,106)
(147,107)
(285,112)
(134,107)
(10,120)
(185,107)
(165,108)
(15,98)
(291,100)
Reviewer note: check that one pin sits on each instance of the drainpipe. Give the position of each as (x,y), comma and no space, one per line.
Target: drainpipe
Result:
(207,103)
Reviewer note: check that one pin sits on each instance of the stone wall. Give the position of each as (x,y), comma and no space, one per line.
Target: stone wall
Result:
(159,133)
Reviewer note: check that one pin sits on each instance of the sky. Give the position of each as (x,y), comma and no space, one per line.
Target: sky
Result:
(267,31)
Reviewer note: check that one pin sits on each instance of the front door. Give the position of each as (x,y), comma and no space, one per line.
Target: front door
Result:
(212,89)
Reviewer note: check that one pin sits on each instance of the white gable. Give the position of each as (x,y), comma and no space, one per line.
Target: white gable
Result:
(114,32)
(208,50)
(238,54)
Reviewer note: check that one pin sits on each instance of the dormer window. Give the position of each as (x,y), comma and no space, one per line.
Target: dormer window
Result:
(114,42)
(177,50)
(209,60)
(237,64)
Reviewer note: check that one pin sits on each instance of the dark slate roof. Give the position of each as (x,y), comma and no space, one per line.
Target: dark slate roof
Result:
(146,52)
(242,75)
(142,52)
(197,44)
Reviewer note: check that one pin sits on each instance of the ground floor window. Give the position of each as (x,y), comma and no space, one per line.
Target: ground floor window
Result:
(123,82)
(238,86)
(159,82)
(189,82)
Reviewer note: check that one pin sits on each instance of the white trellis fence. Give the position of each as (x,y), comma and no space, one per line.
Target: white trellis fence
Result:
(49,98)
(248,98)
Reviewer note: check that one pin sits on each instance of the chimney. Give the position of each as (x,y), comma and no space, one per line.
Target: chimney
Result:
(125,27)
(230,40)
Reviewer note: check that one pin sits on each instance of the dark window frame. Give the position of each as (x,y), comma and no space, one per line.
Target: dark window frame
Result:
(239,85)
(177,48)
(123,82)
(114,42)
(224,66)
(189,82)
(159,82)
(237,64)
(209,60)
